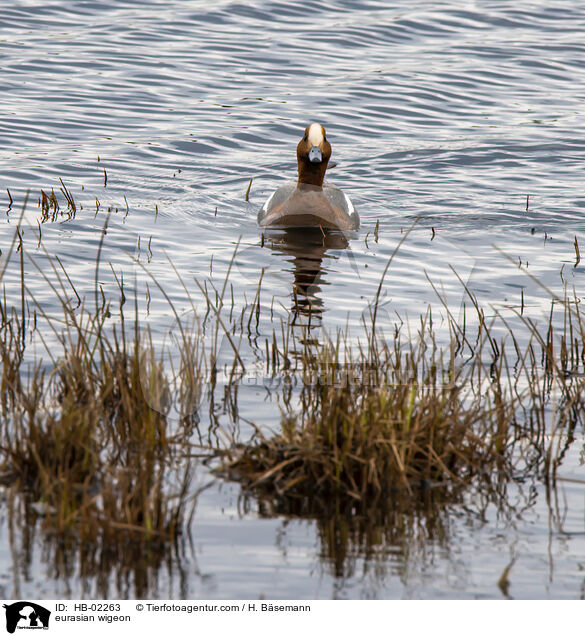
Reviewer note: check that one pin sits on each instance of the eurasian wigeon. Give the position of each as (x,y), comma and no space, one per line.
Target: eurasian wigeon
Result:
(309,202)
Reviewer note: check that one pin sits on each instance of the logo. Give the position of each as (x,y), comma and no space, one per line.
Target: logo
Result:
(26,615)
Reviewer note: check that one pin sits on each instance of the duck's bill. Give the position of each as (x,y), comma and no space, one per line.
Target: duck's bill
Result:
(315,155)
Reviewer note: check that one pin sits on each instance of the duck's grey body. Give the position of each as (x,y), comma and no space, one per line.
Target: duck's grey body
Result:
(296,205)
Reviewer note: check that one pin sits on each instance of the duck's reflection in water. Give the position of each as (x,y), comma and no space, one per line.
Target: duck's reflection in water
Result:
(306,247)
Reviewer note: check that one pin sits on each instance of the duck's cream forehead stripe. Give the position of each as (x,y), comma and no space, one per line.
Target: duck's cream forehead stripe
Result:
(315,134)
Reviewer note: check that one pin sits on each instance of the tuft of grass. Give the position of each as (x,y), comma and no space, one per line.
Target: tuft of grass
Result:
(401,416)
(85,438)
(386,438)
(86,442)
(387,418)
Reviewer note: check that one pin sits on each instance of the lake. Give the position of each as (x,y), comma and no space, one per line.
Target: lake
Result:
(459,121)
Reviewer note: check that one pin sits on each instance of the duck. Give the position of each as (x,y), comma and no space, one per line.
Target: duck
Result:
(310,202)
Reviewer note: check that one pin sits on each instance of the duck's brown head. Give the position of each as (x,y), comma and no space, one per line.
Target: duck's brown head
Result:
(313,154)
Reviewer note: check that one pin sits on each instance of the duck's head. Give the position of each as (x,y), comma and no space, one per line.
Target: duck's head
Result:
(313,154)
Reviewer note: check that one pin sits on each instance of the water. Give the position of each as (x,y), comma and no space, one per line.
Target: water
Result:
(450,112)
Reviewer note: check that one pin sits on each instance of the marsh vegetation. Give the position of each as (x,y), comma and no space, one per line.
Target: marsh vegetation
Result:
(377,437)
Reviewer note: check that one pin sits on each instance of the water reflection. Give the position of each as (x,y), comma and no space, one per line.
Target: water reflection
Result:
(306,248)
(102,568)
(402,536)
(353,532)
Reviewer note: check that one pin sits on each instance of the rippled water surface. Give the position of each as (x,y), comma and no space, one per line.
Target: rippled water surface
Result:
(467,116)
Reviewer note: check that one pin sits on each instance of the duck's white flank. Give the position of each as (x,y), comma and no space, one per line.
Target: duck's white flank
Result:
(350,208)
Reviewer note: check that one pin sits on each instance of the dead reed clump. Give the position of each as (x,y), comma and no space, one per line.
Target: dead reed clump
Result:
(49,205)
(385,440)
(85,436)
(397,416)
(85,442)
(393,419)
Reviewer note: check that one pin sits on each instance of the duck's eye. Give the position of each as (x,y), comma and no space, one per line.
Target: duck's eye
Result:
(305,138)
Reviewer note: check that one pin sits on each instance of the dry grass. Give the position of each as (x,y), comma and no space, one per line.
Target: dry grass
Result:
(383,437)
(84,433)
(369,425)
(83,440)
(388,437)
(403,416)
